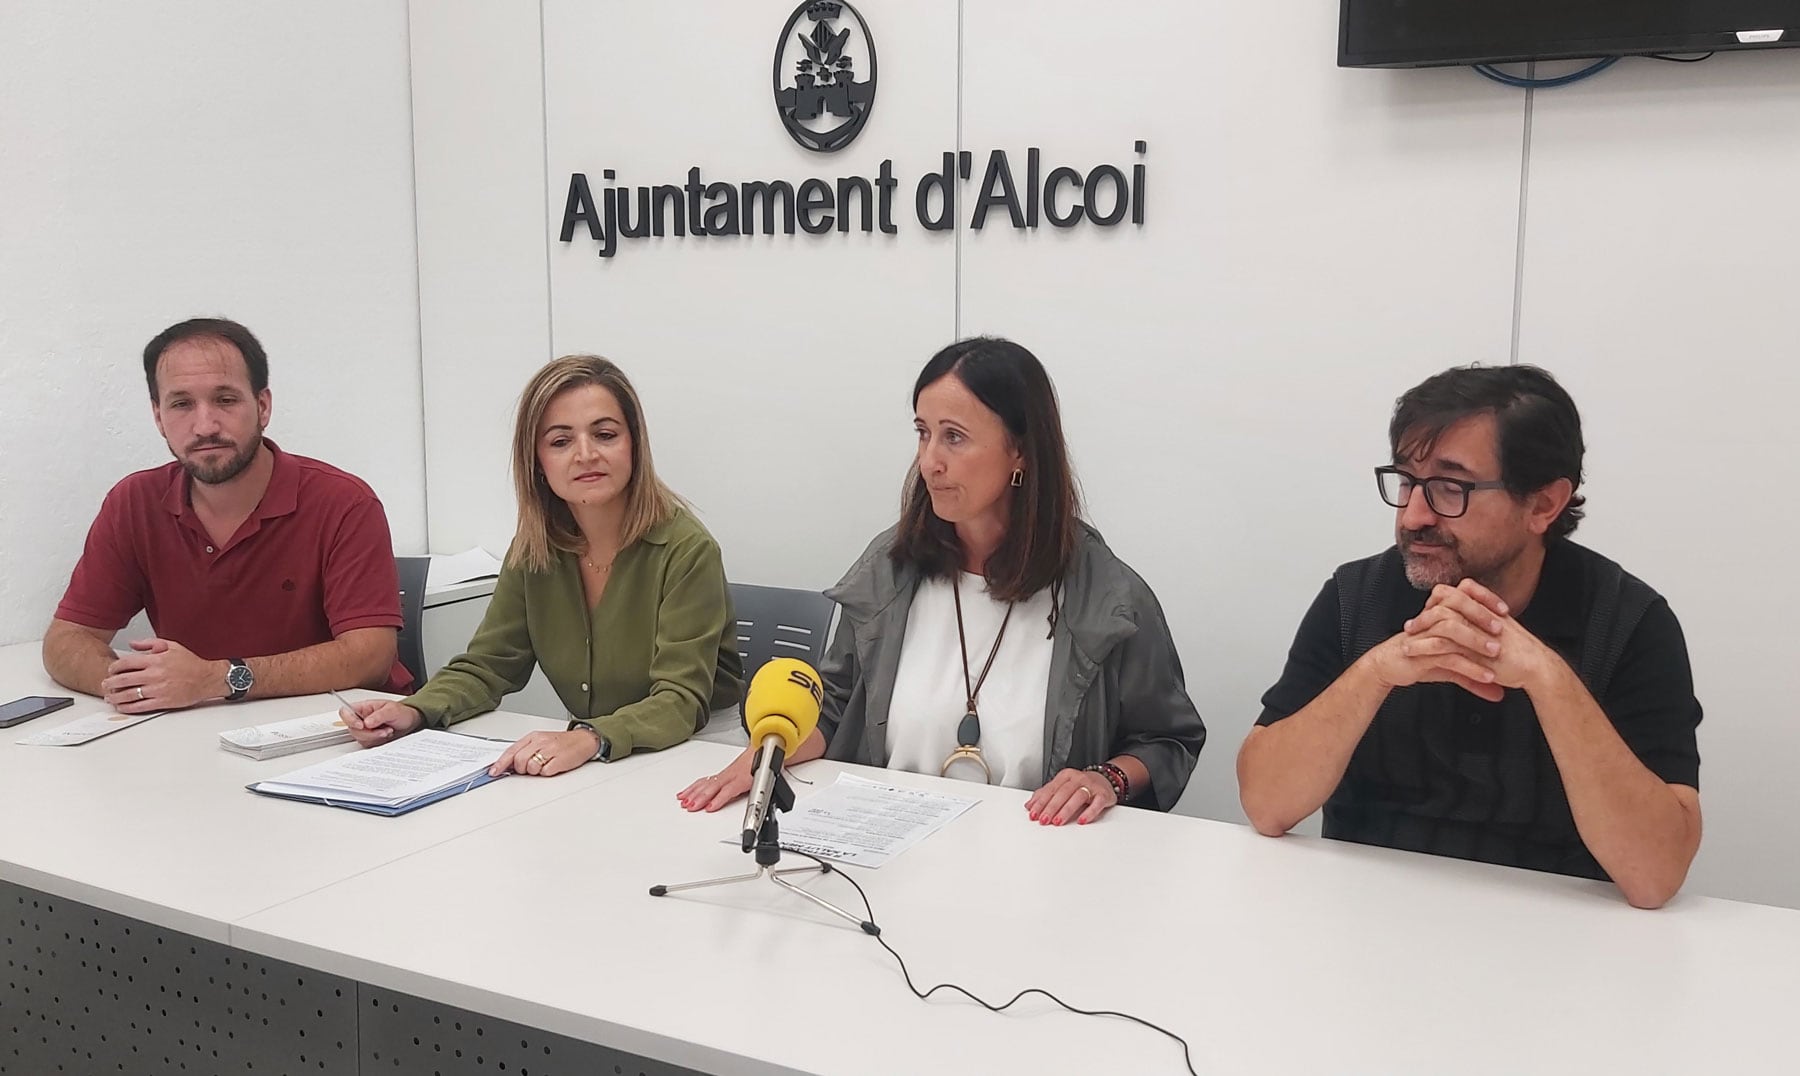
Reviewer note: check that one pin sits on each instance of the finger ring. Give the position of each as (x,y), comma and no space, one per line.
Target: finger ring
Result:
(538,757)
(140,694)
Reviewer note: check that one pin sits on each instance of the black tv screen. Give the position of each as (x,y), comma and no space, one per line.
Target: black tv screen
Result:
(1422,33)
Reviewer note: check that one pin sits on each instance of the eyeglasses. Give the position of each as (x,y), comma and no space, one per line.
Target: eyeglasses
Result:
(1448,497)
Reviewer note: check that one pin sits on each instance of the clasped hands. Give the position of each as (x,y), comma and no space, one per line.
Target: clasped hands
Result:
(1465,636)
(161,675)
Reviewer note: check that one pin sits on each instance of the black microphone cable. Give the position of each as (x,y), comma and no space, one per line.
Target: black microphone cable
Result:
(1187,1054)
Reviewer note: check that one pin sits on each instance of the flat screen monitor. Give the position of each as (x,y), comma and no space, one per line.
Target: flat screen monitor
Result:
(1422,33)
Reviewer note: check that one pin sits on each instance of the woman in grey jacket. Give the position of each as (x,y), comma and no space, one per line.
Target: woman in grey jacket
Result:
(991,635)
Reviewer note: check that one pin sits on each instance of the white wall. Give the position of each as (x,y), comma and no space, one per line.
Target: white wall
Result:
(1226,371)
(757,358)
(161,161)
(484,296)
(777,374)
(1661,259)
(1318,240)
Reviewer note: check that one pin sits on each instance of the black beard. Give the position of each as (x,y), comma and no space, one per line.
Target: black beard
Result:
(224,472)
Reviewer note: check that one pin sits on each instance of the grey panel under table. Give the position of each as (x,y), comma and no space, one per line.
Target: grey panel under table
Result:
(86,991)
(406,1035)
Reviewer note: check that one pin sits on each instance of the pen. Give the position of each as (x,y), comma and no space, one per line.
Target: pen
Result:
(345,703)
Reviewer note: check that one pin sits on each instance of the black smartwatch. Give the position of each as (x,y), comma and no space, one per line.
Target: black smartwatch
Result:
(238,680)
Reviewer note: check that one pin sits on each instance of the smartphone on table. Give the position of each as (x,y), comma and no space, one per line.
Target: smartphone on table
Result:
(19,711)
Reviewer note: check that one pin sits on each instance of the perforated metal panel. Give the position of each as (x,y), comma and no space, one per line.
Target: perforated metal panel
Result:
(407,1035)
(86,991)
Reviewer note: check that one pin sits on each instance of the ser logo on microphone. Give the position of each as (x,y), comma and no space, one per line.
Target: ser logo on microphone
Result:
(800,678)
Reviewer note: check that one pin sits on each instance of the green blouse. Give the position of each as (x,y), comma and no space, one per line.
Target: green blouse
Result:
(645,666)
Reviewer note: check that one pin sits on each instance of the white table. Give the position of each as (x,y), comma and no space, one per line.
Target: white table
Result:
(154,821)
(527,900)
(1298,955)
(152,832)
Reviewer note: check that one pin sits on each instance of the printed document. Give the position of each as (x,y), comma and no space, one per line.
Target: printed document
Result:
(286,737)
(83,729)
(866,823)
(415,767)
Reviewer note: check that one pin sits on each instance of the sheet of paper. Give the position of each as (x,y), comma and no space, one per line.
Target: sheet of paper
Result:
(866,823)
(449,569)
(83,729)
(300,728)
(410,767)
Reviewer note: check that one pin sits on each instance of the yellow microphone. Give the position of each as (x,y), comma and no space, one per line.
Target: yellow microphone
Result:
(781,709)
(783,701)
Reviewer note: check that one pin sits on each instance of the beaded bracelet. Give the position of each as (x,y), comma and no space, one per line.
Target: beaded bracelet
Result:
(1116,777)
(1124,781)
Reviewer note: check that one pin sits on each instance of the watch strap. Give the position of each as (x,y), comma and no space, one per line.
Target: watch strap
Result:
(233,692)
(602,746)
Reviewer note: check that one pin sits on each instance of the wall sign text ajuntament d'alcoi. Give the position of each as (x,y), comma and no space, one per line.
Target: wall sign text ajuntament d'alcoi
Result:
(1060,196)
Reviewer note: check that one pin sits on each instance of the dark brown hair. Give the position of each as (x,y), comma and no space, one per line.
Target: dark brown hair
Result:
(213,329)
(1538,427)
(1041,529)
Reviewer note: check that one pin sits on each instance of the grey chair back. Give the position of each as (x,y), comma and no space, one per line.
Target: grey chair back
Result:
(775,622)
(413,571)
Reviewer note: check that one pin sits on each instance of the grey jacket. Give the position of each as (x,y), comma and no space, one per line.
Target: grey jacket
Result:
(1115,680)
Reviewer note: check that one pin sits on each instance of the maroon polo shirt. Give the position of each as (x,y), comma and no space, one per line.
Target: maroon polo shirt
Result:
(313,561)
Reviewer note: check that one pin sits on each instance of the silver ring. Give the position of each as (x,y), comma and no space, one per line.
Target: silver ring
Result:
(140,693)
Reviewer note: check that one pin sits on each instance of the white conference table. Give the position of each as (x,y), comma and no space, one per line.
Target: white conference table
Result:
(154,822)
(527,900)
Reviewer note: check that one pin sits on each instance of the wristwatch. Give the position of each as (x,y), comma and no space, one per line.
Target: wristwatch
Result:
(603,746)
(238,679)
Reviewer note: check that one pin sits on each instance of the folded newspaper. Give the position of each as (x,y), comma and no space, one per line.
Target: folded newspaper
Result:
(286,737)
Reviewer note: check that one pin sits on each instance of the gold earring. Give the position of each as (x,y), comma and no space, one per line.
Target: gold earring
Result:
(1018,478)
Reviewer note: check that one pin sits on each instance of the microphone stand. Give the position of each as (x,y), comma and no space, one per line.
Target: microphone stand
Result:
(767,849)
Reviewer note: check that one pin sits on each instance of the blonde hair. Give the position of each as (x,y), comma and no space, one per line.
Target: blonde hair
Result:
(546,525)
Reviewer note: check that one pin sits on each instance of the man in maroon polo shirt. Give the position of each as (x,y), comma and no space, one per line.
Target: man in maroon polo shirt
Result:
(263,573)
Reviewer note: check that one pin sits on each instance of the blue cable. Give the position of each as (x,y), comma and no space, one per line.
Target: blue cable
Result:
(1491,72)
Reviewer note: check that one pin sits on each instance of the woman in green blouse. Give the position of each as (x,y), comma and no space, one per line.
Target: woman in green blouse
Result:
(611,585)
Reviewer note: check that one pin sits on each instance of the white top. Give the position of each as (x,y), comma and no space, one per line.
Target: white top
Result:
(929,697)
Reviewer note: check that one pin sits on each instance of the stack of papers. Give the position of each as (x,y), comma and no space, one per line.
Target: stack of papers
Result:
(866,823)
(286,737)
(394,778)
(447,570)
(83,729)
